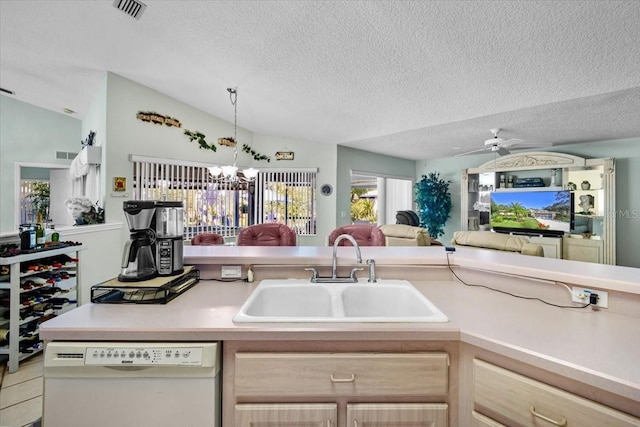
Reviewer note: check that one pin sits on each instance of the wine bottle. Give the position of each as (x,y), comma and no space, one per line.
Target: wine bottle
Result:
(40,237)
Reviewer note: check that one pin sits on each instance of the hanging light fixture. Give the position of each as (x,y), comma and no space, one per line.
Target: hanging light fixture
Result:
(230,172)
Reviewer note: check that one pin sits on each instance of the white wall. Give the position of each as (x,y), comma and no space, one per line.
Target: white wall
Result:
(127,135)
(96,120)
(30,134)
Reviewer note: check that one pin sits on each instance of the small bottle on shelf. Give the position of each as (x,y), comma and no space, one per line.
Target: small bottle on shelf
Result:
(510,182)
(40,236)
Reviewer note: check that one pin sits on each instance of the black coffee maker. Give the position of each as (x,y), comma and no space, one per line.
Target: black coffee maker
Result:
(138,261)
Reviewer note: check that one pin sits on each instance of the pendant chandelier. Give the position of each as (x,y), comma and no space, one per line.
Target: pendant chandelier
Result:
(229,173)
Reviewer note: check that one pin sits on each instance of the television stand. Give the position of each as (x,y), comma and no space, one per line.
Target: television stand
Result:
(551,244)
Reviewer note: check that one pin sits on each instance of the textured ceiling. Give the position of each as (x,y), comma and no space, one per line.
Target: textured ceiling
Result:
(412,79)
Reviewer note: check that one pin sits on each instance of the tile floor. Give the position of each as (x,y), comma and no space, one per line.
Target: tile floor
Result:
(21,394)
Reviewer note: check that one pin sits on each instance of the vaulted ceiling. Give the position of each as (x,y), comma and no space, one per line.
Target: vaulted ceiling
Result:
(411,79)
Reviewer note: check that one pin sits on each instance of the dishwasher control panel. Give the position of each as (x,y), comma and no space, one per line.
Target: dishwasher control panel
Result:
(136,355)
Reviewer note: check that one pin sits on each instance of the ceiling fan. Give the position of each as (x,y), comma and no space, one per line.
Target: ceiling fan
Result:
(500,145)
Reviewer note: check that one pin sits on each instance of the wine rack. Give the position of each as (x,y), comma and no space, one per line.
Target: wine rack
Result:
(38,286)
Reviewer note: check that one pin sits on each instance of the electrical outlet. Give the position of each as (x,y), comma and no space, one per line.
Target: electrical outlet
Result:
(582,295)
(231,272)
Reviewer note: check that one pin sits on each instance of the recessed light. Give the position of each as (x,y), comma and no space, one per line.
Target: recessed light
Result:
(455,148)
(68,111)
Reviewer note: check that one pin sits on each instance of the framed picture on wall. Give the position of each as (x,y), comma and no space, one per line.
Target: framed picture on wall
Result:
(119,183)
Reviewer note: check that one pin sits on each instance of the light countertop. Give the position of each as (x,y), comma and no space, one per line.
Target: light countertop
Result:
(615,278)
(599,348)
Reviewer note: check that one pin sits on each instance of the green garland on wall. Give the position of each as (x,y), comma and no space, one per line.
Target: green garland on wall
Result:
(199,137)
(256,156)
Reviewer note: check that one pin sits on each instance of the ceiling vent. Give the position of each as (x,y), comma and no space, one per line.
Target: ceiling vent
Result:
(132,8)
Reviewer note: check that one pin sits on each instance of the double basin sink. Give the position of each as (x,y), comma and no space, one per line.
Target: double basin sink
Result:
(299,300)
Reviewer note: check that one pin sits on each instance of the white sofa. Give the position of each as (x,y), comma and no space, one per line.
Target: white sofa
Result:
(407,235)
(497,241)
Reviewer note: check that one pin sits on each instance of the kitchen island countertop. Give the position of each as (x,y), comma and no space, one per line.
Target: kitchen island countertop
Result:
(598,348)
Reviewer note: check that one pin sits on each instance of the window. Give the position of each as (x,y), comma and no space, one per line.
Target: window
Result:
(34,201)
(288,197)
(376,198)
(211,205)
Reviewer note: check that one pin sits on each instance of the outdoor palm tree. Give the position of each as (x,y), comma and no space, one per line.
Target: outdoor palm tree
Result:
(518,210)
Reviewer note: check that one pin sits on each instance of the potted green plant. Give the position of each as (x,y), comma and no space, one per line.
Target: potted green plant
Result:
(433,202)
(40,197)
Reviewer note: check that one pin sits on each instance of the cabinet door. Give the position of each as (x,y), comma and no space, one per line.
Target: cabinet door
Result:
(586,250)
(287,415)
(527,402)
(480,420)
(552,246)
(397,414)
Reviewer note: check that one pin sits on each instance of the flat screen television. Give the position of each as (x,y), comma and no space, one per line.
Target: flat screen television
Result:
(545,213)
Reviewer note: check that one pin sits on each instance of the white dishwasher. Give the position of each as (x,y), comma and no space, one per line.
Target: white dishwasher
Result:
(129,384)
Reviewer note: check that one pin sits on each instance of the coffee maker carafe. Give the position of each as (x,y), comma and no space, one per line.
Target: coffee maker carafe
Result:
(168,224)
(138,261)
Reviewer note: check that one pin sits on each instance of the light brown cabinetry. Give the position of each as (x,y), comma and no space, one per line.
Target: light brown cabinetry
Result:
(287,415)
(396,414)
(352,374)
(479,420)
(326,415)
(267,385)
(516,399)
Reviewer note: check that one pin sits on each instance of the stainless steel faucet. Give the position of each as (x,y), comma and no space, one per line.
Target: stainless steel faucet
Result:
(334,264)
(334,260)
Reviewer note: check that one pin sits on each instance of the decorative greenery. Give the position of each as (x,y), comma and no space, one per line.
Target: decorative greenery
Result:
(256,155)
(434,203)
(40,197)
(94,216)
(200,137)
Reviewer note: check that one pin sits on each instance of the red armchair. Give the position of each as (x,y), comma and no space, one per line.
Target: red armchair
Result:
(207,239)
(364,235)
(269,234)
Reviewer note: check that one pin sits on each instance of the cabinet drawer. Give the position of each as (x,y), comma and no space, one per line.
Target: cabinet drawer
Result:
(341,374)
(531,403)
